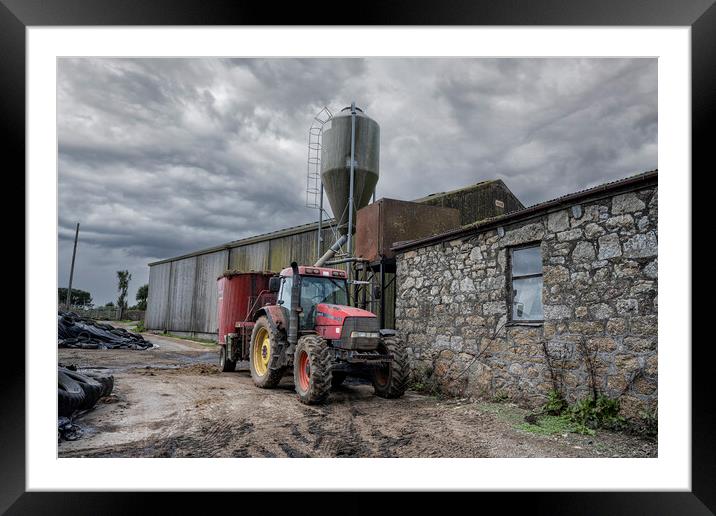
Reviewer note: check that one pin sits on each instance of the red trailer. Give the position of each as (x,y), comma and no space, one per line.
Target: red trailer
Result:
(240,294)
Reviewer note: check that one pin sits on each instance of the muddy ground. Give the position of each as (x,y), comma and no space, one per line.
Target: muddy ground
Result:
(171,401)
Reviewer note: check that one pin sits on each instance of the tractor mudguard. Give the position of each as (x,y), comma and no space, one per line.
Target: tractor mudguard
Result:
(277,321)
(386,332)
(275,315)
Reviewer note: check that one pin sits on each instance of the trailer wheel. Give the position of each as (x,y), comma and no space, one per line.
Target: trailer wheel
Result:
(264,344)
(312,369)
(390,381)
(225,365)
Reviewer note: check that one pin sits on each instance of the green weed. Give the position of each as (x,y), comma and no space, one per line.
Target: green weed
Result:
(602,412)
(582,417)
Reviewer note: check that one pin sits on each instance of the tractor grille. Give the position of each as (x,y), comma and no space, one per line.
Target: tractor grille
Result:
(351,324)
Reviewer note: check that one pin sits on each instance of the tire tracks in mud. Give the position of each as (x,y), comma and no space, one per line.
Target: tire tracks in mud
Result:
(176,409)
(346,429)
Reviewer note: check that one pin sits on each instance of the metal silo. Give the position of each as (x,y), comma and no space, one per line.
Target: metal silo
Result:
(336,150)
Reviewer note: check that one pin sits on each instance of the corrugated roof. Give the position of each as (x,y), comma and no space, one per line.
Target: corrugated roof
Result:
(437,195)
(629,183)
(293,230)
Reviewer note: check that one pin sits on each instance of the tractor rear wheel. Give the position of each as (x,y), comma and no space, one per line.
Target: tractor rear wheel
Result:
(264,343)
(338,379)
(225,365)
(312,369)
(390,380)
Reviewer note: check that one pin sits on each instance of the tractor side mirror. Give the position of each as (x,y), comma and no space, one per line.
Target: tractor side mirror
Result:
(274,283)
(376,292)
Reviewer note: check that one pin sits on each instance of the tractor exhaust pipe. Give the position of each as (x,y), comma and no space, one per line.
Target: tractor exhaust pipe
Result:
(295,306)
(331,252)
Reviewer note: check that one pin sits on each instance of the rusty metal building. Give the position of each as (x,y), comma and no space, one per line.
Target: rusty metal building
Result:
(183,289)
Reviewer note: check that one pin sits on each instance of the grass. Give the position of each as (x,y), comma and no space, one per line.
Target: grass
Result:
(205,342)
(542,423)
(139,328)
(550,425)
(506,411)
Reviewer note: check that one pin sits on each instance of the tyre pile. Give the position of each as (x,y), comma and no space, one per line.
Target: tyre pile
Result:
(80,391)
(75,331)
(77,392)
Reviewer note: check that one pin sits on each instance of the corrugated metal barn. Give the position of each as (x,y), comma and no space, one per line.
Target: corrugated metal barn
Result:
(183,290)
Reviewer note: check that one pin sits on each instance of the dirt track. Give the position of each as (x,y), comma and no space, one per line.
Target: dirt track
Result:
(171,401)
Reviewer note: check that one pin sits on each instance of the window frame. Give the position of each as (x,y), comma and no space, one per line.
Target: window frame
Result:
(510,278)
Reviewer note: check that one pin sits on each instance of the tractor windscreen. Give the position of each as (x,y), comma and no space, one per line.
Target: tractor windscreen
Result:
(317,289)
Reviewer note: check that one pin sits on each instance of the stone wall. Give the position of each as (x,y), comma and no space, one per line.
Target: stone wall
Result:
(599,293)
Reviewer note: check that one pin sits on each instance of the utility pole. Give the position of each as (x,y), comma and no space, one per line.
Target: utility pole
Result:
(72,268)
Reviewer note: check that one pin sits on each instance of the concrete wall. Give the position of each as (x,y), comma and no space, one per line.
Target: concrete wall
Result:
(599,261)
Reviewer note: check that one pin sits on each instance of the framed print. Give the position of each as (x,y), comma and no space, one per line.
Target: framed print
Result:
(422,249)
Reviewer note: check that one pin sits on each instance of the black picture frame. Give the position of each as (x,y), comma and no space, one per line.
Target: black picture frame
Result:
(17,15)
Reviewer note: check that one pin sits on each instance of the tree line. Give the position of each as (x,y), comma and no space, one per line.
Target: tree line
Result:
(83,299)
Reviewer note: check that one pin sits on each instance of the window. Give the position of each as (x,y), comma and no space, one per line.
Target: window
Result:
(526,284)
(315,290)
(285,294)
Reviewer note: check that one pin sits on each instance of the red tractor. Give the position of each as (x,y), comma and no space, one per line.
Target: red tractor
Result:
(303,323)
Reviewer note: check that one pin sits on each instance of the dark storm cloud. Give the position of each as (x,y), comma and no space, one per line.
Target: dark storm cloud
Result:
(159,157)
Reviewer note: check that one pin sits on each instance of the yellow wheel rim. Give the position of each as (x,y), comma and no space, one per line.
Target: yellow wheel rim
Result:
(261,352)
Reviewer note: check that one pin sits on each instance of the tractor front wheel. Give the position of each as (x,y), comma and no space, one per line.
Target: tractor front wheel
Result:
(390,380)
(264,343)
(312,369)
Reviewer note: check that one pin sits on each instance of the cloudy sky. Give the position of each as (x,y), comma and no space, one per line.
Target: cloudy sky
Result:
(159,157)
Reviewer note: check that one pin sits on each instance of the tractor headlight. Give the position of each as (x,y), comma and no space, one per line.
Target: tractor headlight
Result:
(364,334)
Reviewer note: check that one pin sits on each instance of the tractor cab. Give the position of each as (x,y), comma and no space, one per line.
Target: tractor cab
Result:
(317,285)
(323,308)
